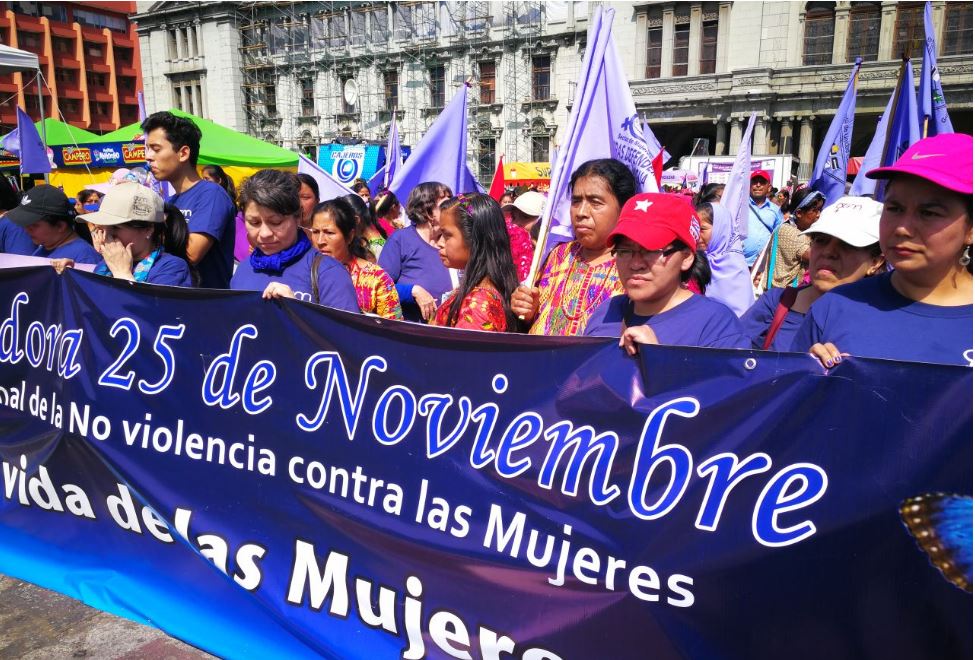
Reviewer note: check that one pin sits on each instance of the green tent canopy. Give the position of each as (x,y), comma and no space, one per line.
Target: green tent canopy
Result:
(60,134)
(220,145)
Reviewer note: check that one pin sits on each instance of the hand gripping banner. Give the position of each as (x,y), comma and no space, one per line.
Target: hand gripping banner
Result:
(268,479)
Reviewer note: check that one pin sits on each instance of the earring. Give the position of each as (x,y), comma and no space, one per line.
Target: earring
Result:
(966,256)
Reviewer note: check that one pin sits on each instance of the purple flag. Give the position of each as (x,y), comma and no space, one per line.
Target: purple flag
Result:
(162,188)
(738,189)
(394,159)
(829,174)
(328,186)
(903,129)
(930,98)
(862,186)
(26,144)
(603,124)
(441,154)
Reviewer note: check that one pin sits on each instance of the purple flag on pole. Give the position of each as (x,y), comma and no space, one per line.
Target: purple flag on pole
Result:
(162,188)
(903,129)
(930,98)
(394,159)
(27,145)
(328,186)
(829,174)
(603,124)
(441,154)
(862,186)
(738,188)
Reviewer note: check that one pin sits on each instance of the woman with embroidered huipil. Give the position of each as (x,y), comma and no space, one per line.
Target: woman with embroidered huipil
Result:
(578,276)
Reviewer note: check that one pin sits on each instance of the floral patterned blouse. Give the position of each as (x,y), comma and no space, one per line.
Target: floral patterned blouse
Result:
(374,290)
(570,290)
(482,309)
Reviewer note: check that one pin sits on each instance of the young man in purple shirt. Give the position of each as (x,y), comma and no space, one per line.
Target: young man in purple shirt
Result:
(172,149)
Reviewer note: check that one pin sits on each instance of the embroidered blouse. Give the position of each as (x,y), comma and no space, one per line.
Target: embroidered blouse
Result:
(482,309)
(374,290)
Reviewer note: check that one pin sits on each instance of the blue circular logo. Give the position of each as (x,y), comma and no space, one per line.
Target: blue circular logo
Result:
(346,169)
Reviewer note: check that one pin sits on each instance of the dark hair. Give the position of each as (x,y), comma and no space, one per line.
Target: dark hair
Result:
(710,192)
(172,235)
(344,216)
(309,181)
(481,223)
(422,199)
(383,203)
(359,184)
(785,194)
(9,197)
(799,197)
(704,212)
(180,131)
(617,176)
(364,217)
(223,180)
(273,189)
(84,195)
(700,270)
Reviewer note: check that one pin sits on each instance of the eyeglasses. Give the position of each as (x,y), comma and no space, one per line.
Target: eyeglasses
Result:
(648,256)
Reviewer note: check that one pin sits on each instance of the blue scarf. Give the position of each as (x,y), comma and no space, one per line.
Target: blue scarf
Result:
(141,270)
(274,264)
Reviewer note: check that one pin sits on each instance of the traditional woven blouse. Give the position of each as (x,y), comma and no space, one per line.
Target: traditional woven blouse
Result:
(482,309)
(374,290)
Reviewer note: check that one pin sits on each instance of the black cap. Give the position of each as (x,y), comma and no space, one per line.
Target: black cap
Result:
(41,201)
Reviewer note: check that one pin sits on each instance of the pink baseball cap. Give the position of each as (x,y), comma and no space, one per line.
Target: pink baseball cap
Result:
(945,160)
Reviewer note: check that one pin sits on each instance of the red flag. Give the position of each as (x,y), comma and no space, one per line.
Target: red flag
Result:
(497,183)
(658,166)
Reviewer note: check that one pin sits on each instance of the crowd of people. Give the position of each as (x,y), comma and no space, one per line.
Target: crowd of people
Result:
(855,277)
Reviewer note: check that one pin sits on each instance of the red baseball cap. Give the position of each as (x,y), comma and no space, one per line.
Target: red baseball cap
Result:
(655,220)
(945,160)
(761,174)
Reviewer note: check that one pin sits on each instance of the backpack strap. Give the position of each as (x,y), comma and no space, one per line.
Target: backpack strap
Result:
(315,261)
(786,302)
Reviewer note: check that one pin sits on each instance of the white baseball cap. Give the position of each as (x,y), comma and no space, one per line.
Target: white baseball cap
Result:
(529,202)
(127,202)
(853,220)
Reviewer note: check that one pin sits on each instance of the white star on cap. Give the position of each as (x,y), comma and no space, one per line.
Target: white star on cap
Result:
(642,205)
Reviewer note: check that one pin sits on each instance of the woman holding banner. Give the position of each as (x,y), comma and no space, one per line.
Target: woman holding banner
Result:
(921,311)
(411,257)
(578,276)
(333,232)
(844,248)
(655,246)
(283,263)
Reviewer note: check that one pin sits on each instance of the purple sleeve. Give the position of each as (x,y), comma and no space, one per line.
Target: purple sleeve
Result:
(758,318)
(211,213)
(390,259)
(335,288)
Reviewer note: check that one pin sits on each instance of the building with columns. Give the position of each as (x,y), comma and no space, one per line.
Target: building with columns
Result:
(302,74)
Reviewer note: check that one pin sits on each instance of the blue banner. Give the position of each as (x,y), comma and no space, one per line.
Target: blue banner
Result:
(276,479)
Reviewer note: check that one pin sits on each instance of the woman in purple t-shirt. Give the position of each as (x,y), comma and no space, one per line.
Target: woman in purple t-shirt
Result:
(283,263)
(411,256)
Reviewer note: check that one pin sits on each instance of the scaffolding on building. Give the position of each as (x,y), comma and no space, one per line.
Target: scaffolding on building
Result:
(284,45)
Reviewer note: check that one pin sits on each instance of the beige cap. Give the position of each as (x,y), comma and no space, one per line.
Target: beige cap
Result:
(127,202)
(529,202)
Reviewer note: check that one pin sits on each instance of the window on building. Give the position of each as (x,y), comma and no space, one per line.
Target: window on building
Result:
(102,109)
(94,51)
(126,83)
(67,77)
(69,107)
(96,81)
(958,29)
(817,43)
(55,11)
(908,30)
(299,33)
(307,97)
(709,46)
(379,26)
(357,24)
(541,77)
(682,42)
(173,45)
(864,39)
(655,40)
(540,150)
(62,46)
(391,89)
(96,20)
(438,87)
(485,158)
(28,41)
(487,71)
(279,37)
(123,56)
(402,22)
(338,34)
(270,100)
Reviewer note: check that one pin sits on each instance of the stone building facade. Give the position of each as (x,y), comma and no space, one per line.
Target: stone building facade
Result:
(302,74)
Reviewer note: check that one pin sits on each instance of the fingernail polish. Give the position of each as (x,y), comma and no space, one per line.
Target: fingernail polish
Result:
(829,363)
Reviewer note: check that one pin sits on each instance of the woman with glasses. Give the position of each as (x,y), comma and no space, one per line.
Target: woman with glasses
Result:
(655,249)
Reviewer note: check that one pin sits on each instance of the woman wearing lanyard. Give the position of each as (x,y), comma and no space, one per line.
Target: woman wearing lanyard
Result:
(921,311)
(283,263)
(655,248)
(578,276)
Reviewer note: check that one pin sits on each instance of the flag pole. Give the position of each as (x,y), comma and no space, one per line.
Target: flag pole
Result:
(40,106)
